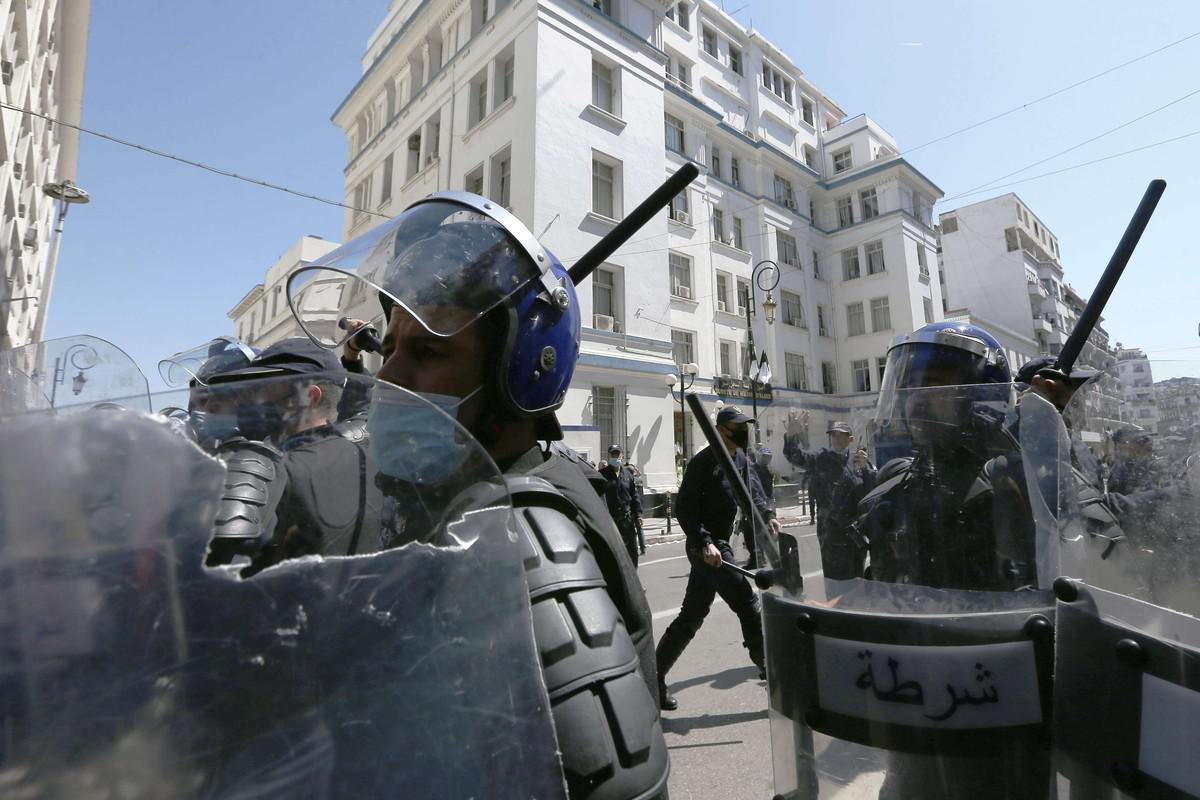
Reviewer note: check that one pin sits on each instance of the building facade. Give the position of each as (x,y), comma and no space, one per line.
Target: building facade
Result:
(569,112)
(1139,405)
(262,316)
(42,56)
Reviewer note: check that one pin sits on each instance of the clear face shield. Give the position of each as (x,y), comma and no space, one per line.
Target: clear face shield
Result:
(198,365)
(74,373)
(446,261)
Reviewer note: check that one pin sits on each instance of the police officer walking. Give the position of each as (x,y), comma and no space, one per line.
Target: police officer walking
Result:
(624,502)
(837,481)
(706,509)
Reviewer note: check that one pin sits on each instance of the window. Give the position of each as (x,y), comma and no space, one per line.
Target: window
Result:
(845,211)
(385,188)
(679,208)
(275,300)
(735,172)
(479,99)
(474,180)
(949,224)
(604,286)
(783,192)
(850,268)
(678,13)
(928,303)
(737,233)
(880,365)
(786,245)
(716,162)
(776,84)
(821,329)
(678,71)
(793,312)
(718,224)
(362,197)
(856,324)
(602,87)
(881,315)
(842,161)
(674,134)
(862,374)
(725,358)
(681,275)
(743,296)
(608,413)
(810,157)
(795,372)
(735,59)
(506,70)
(683,347)
(603,6)
(806,110)
(816,264)
(603,189)
(723,303)
(870,203)
(709,41)
(922,262)
(1011,240)
(414,155)
(502,179)
(828,378)
(812,213)
(433,131)
(874,252)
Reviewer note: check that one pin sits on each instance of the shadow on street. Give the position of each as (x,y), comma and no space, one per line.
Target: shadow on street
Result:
(685,725)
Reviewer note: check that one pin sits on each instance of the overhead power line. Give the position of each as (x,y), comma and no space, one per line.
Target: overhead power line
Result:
(191,163)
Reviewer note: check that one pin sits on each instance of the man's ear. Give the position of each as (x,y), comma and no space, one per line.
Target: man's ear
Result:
(314,394)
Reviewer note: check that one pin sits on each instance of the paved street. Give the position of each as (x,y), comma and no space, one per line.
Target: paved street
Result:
(719,738)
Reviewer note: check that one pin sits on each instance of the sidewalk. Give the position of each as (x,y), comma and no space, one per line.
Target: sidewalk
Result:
(655,528)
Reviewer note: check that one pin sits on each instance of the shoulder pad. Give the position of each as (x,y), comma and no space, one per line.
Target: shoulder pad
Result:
(353,430)
(251,468)
(893,468)
(893,474)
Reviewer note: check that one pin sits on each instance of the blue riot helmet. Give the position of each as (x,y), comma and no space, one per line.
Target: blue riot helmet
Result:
(213,417)
(451,260)
(938,379)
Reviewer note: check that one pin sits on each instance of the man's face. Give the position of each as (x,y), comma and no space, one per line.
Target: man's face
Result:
(735,432)
(1057,392)
(839,440)
(936,412)
(295,399)
(417,360)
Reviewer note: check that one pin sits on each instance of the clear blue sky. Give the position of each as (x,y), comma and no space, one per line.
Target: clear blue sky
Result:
(165,250)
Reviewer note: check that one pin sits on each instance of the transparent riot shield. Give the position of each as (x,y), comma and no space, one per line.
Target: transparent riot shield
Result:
(375,641)
(924,668)
(1120,488)
(75,373)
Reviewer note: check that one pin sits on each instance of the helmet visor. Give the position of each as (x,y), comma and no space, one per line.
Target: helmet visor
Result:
(443,261)
(203,362)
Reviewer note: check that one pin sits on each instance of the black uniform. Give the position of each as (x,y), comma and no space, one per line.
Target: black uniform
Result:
(836,487)
(706,508)
(624,505)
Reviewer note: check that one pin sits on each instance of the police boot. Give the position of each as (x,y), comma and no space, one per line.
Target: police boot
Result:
(670,647)
(752,638)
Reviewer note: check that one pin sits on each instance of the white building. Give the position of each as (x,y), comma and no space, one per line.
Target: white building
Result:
(262,316)
(1139,406)
(569,112)
(42,56)
(1001,266)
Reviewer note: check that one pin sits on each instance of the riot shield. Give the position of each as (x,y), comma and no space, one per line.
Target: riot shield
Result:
(927,673)
(1120,488)
(377,643)
(72,374)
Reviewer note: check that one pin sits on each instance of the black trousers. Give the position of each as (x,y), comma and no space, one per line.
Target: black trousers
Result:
(629,535)
(841,557)
(705,582)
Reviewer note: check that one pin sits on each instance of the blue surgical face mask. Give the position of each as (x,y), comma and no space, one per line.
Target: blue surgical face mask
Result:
(615,463)
(416,441)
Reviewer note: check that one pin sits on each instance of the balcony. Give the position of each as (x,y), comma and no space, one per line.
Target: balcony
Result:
(1040,323)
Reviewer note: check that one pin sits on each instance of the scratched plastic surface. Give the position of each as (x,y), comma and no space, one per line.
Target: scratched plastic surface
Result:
(130,669)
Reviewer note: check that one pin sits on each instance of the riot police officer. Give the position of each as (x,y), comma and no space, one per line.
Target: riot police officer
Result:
(624,502)
(484,323)
(838,480)
(706,509)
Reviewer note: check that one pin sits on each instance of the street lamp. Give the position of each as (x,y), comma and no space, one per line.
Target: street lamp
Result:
(765,276)
(66,193)
(70,360)
(686,379)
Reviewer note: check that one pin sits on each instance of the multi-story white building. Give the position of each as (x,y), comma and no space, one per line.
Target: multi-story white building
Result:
(1139,405)
(43,49)
(569,112)
(262,316)
(1000,264)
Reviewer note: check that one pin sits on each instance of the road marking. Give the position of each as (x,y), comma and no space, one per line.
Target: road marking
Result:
(659,561)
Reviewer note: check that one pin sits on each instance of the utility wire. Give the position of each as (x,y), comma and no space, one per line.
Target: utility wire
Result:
(1192,93)
(1055,93)
(190,162)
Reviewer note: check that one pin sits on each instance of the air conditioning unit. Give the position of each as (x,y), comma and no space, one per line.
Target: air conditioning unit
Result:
(683,218)
(602,322)
(720,305)
(684,292)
